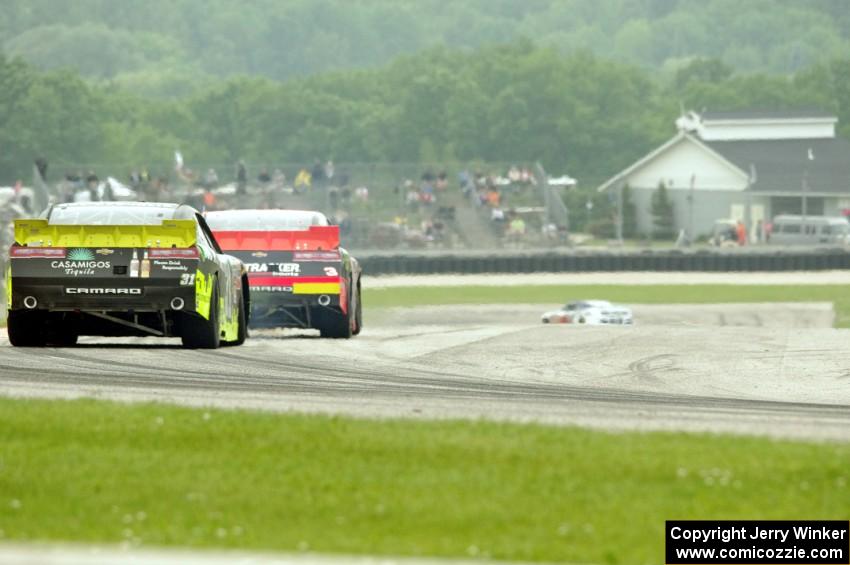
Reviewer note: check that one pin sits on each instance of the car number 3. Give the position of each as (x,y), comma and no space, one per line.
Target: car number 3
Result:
(187,279)
(331,272)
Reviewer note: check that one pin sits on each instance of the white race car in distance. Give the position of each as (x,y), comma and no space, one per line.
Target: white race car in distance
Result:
(592,312)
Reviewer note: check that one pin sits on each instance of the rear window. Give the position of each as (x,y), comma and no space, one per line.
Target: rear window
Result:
(273,220)
(789,228)
(109,215)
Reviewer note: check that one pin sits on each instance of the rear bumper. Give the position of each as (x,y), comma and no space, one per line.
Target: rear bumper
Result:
(266,300)
(86,295)
(283,310)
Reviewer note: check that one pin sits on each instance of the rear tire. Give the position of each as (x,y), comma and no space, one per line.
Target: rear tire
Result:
(242,329)
(358,313)
(26,329)
(335,325)
(61,337)
(198,333)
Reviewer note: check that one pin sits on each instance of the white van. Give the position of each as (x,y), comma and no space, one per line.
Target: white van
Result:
(810,230)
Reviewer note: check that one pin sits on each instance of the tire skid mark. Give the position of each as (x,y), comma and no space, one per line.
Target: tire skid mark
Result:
(449,389)
(647,368)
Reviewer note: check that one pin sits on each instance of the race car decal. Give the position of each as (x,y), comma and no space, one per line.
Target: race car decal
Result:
(203,293)
(299,285)
(315,288)
(99,290)
(282,268)
(81,263)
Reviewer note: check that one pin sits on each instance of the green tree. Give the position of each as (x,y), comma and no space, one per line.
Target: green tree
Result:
(629,213)
(711,70)
(662,214)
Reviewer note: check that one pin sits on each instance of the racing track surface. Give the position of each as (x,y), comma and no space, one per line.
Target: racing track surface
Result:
(777,370)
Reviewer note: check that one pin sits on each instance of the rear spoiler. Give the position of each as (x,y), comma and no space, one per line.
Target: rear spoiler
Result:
(170,233)
(315,238)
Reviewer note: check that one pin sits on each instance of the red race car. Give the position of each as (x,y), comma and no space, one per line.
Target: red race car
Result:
(299,275)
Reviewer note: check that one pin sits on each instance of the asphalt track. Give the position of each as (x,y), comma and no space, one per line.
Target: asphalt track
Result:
(777,370)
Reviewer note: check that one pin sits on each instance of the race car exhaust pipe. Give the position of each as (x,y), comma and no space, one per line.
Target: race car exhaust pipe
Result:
(324,300)
(30,302)
(177,303)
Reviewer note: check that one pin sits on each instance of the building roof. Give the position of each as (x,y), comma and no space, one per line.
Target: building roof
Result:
(680,137)
(780,164)
(760,114)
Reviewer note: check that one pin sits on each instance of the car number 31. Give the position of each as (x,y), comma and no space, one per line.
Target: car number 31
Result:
(187,279)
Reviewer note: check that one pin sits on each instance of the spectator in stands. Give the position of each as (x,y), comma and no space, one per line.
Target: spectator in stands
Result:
(442,181)
(193,198)
(264,177)
(92,182)
(516,229)
(318,173)
(427,196)
(343,220)
(343,178)
(741,233)
(210,179)
(303,181)
(329,171)
(514,174)
(241,177)
(74,179)
(412,196)
(465,182)
(494,197)
(361,193)
(157,190)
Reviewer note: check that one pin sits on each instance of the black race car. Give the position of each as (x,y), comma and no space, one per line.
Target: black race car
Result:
(123,269)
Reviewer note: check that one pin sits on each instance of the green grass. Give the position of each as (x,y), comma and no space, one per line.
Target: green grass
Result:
(94,471)
(839,295)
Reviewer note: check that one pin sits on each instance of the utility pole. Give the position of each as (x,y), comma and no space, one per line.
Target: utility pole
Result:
(691,236)
(810,156)
(803,189)
(751,181)
(620,213)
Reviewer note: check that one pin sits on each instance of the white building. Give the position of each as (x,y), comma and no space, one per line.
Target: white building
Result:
(750,166)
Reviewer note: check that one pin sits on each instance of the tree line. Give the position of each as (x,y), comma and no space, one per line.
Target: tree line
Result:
(576,113)
(171,47)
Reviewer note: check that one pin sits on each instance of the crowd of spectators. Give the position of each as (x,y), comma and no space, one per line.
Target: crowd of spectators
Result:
(424,215)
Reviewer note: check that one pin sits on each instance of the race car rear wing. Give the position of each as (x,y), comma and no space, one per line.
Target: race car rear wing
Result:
(315,238)
(168,234)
